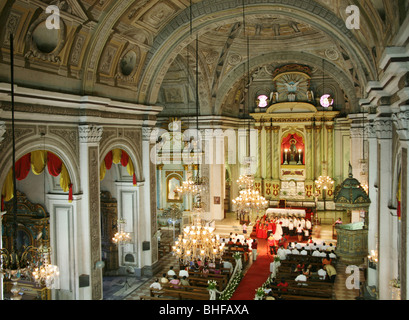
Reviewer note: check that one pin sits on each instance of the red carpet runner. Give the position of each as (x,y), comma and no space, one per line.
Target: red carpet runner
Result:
(257,274)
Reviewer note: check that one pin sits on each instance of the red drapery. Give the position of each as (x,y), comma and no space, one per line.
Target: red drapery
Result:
(108,160)
(124,158)
(23,167)
(286,144)
(54,164)
(124,162)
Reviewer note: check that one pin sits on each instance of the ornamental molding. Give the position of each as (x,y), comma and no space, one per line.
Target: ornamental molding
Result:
(90,133)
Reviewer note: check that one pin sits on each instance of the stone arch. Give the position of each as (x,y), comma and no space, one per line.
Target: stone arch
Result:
(313,61)
(49,143)
(127,147)
(177,34)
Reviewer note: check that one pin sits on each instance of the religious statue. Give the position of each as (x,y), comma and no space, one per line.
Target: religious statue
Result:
(293,151)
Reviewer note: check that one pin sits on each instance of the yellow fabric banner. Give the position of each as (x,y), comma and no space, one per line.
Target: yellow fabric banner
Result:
(116,156)
(102,171)
(7,191)
(65,180)
(38,161)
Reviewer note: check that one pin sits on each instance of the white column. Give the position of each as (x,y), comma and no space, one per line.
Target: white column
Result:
(370,133)
(384,134)
(89,222)
(148,224)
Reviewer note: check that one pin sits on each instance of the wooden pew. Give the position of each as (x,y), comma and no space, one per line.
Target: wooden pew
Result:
(181,293)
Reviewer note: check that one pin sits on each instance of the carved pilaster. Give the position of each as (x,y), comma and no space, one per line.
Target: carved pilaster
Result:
(94,216)
(90,133)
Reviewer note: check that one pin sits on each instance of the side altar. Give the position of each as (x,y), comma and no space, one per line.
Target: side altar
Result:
(296,140)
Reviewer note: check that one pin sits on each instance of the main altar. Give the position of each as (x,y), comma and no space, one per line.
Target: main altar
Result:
(296,140)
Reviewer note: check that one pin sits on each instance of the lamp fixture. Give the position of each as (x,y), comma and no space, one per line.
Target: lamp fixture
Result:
(122,237)
(326,100)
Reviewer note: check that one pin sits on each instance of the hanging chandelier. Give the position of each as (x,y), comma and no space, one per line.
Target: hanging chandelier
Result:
(198,242)
(46,274)
(250,199)
(324,182)
(122,237)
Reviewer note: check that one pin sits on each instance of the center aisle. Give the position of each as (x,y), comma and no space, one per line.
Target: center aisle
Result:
(257,274)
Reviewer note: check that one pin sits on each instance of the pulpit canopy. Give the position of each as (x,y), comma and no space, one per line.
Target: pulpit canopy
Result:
(351,195)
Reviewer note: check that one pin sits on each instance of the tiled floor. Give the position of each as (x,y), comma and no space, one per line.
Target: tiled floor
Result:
(117,288)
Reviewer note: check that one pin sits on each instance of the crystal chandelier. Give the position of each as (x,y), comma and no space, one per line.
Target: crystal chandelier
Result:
(45,273)
(122,237)
(250,199)
(324,182)
(198,242)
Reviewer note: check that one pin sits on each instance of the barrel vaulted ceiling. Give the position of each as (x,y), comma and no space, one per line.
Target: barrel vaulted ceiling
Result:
(144,51)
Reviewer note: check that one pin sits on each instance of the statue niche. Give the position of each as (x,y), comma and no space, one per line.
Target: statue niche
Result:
(292,150)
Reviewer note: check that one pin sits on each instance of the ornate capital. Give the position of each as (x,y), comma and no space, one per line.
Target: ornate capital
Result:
(370,131)
(147,132)
(90,133)
(401,121)
(356,132)
(383,128)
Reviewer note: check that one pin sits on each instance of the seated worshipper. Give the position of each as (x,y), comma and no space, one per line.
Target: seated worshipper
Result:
(301,278)
(326,260)
(183,273)
(298,246)
(323,254)
(171,273)
(184,281)
(164,279)
(205,272)
(330,248)
(323,247)
(314,246)
(228,265)
(270,296)
(300,266)
(174,282)
(230,243)
(308,247)
(283,285)
(306,271)
(332,255)
(332,273)
(304,252)
(295,251)
(316,253)
(281,253)
(322,274)
(288,251)
(156,285)
(309,240)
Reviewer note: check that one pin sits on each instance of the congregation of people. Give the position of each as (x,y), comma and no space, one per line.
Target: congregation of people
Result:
(307,259)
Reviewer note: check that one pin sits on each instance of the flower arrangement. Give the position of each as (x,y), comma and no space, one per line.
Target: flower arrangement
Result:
(277,259)
(211,284)
(237,255)
(232,286)
(395,283)
(260,293)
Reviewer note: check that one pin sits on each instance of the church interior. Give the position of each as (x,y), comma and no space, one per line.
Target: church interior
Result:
(213,137)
